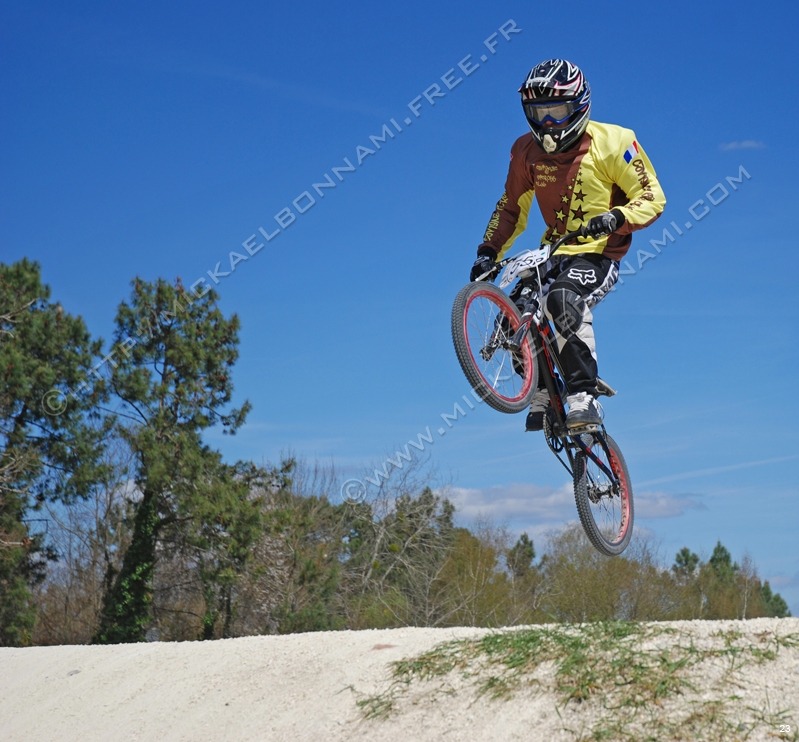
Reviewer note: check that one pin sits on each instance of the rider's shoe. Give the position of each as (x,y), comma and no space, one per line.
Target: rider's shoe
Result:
(535,418)
(583,410)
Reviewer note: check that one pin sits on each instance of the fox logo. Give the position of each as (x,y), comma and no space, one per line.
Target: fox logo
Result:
(583,275)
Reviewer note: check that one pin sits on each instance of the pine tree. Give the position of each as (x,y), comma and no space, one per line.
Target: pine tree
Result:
(520,557)
(774,603)
(226,520)
(172,376)
(685,563)
(722,565)
(49,442)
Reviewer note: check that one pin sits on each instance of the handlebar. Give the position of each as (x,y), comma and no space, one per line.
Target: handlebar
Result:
(566,237)
(554,246)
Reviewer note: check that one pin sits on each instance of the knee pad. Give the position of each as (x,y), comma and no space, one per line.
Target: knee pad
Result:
(566,309)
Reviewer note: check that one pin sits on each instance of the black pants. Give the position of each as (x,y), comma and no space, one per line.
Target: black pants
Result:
(572,285)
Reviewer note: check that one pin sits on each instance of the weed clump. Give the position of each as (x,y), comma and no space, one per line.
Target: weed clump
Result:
(643,681)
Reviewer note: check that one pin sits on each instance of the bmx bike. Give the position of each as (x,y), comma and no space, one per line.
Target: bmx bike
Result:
(502,351)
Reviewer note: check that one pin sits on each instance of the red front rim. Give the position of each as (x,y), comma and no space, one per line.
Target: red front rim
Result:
(624,494)
(509,312)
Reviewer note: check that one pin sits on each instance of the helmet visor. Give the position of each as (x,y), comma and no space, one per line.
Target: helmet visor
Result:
(555,111)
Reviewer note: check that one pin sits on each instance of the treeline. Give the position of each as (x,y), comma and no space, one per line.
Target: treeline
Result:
(397,560)
(118,523)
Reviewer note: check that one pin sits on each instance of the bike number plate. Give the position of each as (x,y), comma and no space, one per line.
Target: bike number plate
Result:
(523,265)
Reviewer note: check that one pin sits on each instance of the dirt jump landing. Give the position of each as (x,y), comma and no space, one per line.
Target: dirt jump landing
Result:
(679,680)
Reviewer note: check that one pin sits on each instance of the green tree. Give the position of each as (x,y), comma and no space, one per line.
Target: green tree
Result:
(412,545)
(50,437)
(685,563)
(472,590)
(309,531)
(774,603)
(88,536)
(18,568)
(171,372)
(584,585)
(226,520)
(520,557)
(722,565)
(527,587)
(720,585)
(395,549)
(722,588)
(310,602)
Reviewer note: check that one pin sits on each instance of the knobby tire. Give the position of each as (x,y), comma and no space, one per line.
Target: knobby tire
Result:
(508,381)
(607,520)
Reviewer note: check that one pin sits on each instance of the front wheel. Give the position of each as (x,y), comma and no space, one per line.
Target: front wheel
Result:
(484,319)
(605,508)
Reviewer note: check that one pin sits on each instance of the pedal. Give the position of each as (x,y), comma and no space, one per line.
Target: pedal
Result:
(603,388)
(580,429)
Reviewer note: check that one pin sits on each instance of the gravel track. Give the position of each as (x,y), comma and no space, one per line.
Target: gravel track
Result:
(305,687)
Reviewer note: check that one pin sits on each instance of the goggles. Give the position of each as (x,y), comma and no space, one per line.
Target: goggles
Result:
(556,112)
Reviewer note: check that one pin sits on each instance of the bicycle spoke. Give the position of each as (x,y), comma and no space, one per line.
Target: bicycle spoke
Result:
(603,502)
(484,320)
(486,328)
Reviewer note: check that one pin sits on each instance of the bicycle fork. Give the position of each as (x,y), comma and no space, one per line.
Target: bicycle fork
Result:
(530,308)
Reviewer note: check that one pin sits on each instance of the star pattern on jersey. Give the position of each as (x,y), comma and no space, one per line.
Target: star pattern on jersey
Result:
(572,192)
(560,224)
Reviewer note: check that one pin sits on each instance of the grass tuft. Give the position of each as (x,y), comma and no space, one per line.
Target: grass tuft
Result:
(648,682)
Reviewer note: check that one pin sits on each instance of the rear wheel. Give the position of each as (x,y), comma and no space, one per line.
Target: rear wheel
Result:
(605,508)
(484,319)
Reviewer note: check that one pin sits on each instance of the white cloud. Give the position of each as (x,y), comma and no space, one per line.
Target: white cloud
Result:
(659,505)
(746,144)
(520,503)
(779,582)
(535,507)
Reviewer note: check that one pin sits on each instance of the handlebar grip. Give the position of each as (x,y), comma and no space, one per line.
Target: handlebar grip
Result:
(570,236)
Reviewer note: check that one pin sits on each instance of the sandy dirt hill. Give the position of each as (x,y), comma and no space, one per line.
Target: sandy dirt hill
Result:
(307,686)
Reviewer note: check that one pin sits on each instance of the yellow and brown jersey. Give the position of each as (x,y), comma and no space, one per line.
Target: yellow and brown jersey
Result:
(606,169)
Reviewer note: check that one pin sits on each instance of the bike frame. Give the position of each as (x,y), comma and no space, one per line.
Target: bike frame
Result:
(549,365)
(546,353)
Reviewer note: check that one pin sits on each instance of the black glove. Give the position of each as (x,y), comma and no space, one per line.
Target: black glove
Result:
(486,261)
(604,224)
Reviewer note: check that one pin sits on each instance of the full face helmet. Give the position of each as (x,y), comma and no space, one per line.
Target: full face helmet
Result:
(557,102)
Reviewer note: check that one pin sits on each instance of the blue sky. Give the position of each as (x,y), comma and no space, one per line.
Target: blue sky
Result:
(154,140)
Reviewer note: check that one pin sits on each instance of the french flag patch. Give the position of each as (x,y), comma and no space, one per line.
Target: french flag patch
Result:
(631,152)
